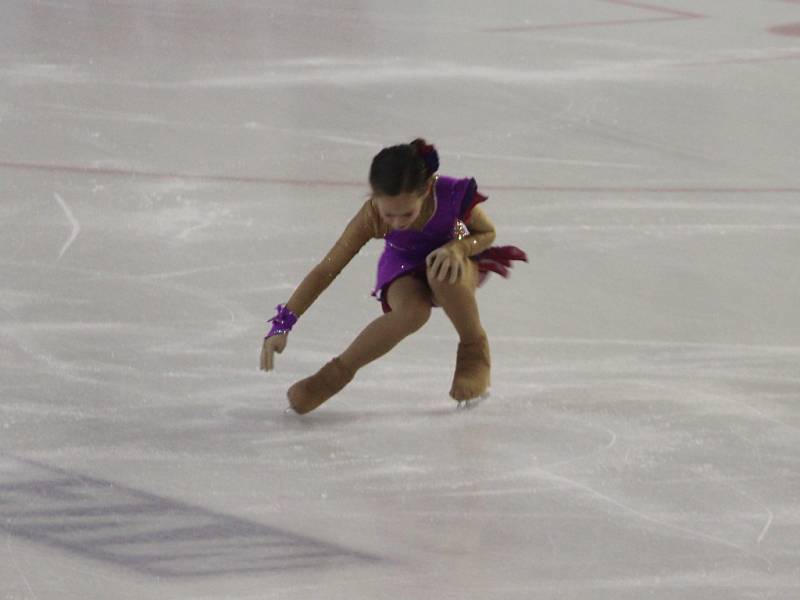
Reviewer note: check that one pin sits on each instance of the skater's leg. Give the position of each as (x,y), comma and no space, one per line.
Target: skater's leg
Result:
(410,300)
(458,302)
(473,363)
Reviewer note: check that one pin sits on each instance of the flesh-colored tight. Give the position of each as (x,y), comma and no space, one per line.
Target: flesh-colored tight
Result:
(410,300)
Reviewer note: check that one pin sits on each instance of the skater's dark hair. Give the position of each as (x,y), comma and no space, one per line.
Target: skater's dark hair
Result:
(403,169)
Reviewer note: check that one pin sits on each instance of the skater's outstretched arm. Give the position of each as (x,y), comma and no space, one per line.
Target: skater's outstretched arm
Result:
(362,228)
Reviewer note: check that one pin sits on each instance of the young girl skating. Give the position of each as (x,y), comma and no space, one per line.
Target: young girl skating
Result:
(437,253)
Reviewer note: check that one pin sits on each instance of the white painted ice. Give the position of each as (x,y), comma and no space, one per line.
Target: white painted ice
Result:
(170,171)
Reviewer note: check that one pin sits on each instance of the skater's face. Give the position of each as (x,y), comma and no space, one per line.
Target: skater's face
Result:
(400,211)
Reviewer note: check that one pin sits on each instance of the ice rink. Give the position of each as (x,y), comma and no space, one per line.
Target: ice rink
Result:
(169,172)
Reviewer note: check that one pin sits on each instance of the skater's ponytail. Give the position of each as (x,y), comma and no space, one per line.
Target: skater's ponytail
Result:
(403,169)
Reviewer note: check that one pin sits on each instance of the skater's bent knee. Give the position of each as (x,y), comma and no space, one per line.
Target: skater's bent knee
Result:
(445,286)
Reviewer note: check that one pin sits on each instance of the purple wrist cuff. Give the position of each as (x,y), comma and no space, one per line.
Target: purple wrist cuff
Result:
(282,322)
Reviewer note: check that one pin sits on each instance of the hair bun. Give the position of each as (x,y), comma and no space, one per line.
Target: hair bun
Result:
(427,152)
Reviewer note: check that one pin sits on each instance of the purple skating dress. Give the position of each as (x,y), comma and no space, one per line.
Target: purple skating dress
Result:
(406,250)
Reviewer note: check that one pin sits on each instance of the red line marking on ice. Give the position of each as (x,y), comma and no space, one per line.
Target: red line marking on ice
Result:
(737,61)
(525,28)
(672,15)
(669,11)
(791,29)
(643,190)
(143,174)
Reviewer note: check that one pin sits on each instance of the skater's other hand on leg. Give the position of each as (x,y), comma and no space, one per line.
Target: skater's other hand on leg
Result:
(446,263)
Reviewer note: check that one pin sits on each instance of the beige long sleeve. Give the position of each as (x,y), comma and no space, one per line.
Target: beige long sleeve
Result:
(481,236)
(363,227)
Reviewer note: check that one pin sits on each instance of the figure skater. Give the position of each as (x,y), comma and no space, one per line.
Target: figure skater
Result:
(437,252)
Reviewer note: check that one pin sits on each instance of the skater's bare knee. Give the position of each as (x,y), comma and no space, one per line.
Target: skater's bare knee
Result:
(410,301)
(465,282)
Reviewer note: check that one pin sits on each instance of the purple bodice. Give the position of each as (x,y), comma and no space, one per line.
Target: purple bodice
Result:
(406,250)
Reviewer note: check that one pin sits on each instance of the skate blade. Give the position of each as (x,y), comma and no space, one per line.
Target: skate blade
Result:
(472,403)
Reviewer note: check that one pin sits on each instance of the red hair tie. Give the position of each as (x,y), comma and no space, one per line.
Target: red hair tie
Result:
(428,154)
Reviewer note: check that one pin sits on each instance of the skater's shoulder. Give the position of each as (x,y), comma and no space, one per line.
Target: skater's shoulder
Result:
(371,219)
(458,185)
(447,181)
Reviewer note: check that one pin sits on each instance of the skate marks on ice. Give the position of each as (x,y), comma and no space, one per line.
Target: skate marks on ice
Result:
(73,222)
(157,536)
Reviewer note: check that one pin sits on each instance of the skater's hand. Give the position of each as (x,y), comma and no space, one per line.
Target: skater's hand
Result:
(446,262)
(272,344)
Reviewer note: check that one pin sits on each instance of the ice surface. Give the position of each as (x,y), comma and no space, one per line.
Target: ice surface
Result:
(171,170)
